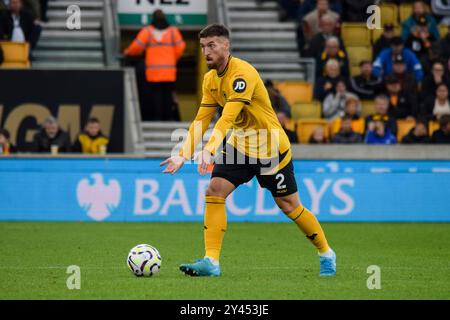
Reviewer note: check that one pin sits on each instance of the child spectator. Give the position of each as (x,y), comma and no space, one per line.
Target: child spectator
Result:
(353,111)
(51,136)
(418,134)
(91,141)
(379,134)
(442,135)
(346,133)
(318,136)
(6,147)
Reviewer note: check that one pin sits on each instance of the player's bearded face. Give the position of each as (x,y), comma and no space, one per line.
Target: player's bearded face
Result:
(215,50)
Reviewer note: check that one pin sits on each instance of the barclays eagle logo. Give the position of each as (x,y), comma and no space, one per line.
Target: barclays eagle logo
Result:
(98,199)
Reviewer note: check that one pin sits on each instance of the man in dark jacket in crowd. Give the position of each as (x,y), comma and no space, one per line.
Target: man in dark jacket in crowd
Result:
(346,133)
(402,104)
(365,85)
(18,25)
(418,134)
(442,135)
(384,41)
(51,137)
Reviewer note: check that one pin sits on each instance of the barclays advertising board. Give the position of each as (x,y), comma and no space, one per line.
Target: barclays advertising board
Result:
(136,190)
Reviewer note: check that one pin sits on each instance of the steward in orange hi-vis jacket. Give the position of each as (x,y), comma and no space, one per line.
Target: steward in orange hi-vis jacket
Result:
(163,46)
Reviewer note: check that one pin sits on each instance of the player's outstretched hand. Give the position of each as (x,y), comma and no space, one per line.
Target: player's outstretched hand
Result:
(204,160)
(174,164)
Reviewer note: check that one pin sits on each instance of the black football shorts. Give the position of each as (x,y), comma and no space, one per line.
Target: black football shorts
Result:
(238,168)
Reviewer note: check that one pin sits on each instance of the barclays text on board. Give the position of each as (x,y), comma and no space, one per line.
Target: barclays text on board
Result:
(136,190)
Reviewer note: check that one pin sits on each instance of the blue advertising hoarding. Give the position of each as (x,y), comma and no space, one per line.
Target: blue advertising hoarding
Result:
(136,190)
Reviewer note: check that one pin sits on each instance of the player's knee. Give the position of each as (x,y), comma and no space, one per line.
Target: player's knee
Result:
(287,205)
(214,190)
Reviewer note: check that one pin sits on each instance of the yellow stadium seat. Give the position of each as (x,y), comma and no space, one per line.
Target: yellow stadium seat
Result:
(403,127)
(295,91)
(376,33)
(405,10)
(357,126)
(355,34)
(367,108)
(389,13)
(357,54)
(432,126)
(443,30)
(306,127)
(306,110)
(15,55)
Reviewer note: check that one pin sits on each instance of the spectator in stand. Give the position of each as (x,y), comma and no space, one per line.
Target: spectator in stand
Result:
(444,45)
(380,134)
(18,25)
(163,46)
(442,135)
(284,119)
(441,8)
(6,147)
(402,104)
(384,41)
(407,80)
(383,64)
(381,113)
(318,136)
(352,110)
(434,107)
(51,136)
(355,10)
(419,11)
(433,79)
(420,39)
(346,133)
(279,103)
(92,140)
(333,50)
(365,85)
(418,134)
(317,44)
(334,104)
(312,22)
(308,6)
(327,83)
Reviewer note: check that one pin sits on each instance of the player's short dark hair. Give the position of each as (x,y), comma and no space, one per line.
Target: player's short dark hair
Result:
(214,30)
(93,120)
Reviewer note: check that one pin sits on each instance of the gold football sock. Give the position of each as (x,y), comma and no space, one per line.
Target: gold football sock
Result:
(308,223)
(215,226)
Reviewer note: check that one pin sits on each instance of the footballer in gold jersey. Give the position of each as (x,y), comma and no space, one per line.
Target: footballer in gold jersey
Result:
(247,141)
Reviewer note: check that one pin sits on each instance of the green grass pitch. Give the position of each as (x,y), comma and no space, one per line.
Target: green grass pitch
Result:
(259,261)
